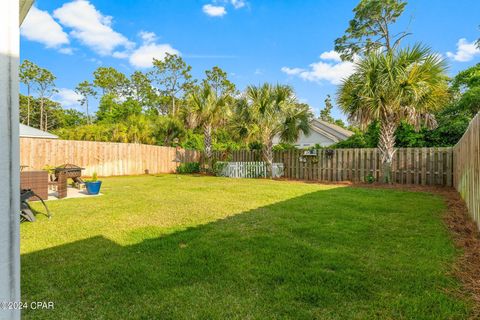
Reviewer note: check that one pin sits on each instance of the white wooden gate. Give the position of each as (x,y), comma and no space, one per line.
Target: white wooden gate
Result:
(250,170)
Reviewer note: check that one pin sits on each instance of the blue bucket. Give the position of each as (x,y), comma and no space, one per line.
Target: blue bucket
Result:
(93,187)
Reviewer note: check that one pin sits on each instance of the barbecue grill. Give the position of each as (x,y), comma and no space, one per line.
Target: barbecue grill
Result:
(70,171)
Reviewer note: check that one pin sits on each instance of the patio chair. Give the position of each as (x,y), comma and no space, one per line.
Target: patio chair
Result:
(26,212)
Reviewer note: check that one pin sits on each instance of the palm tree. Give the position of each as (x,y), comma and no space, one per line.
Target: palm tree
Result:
(405,85)
(140,129)
(209,110)
(270,111)
(168,128)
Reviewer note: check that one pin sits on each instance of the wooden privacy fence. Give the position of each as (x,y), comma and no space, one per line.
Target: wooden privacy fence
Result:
(423,166)
(467,168)
(105,158)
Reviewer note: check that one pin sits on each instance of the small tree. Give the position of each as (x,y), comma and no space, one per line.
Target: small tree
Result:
(141,90)
(221,86)
(326,113)
(406,85)
(110,81)
(369,30)
(85,89)
(269,111)
(172,75)
(45,88)
(29,73)
(218,80)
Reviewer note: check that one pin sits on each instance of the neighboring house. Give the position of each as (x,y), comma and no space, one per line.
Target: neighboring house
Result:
(322,133)
(29,132)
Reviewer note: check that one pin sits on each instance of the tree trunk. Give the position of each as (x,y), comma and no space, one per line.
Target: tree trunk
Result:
(41,114)
(207,141)
(88,115)
(28,105)
(46,121)
(267,151)
(386,145)
(173,106)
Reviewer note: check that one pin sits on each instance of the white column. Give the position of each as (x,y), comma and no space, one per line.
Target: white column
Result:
(9,157)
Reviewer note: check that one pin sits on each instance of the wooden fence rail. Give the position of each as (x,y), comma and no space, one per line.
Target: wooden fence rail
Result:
(422,166)
(467,168)
(105,158)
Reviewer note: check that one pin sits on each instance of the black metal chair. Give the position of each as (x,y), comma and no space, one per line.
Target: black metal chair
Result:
(26,212)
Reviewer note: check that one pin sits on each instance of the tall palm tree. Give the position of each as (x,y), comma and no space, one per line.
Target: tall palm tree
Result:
(209,110)
(405,85)
(270,111)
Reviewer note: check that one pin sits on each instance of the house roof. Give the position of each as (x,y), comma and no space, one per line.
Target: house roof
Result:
(332,129)
(24,7)
(29,132)
(323,132)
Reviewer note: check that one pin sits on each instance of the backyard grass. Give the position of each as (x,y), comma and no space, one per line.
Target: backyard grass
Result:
(158,247)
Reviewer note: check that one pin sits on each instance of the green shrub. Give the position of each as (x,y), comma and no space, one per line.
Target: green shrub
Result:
(218,168)
(370,178)
(188,167)
(282,146)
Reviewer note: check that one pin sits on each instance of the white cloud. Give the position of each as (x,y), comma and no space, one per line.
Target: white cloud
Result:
(66,50)
(331,55)
(91,27)
(41,27)
(214,11)
(67,98)
(143,56)
(95,60)
(466,51)
(237,4)
(324,70)
(120,54)
(147,37)
(292,71)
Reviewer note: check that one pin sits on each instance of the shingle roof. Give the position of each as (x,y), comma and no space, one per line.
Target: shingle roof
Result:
(29,132)
(333,129)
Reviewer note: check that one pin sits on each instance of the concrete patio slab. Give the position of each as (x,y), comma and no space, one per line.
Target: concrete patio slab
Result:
(71,193)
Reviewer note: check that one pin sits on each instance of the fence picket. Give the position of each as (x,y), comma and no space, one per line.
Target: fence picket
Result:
(466,167)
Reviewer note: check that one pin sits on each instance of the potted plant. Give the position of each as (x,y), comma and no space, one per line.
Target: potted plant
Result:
(51,172)
(93,185)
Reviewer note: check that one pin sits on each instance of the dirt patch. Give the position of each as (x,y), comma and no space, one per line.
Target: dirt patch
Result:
(464,232)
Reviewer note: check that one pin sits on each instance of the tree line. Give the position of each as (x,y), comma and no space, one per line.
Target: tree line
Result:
(166,106)
(397,97)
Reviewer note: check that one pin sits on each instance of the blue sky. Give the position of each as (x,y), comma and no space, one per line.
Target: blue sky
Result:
(255,41)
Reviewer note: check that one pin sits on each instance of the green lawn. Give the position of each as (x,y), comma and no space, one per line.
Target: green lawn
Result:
(159,247)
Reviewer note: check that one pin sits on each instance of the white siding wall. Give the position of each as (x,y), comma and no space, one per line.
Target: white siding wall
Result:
(310,140)
(9,158)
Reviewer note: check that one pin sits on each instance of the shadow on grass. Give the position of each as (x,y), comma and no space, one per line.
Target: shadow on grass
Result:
(334,254)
